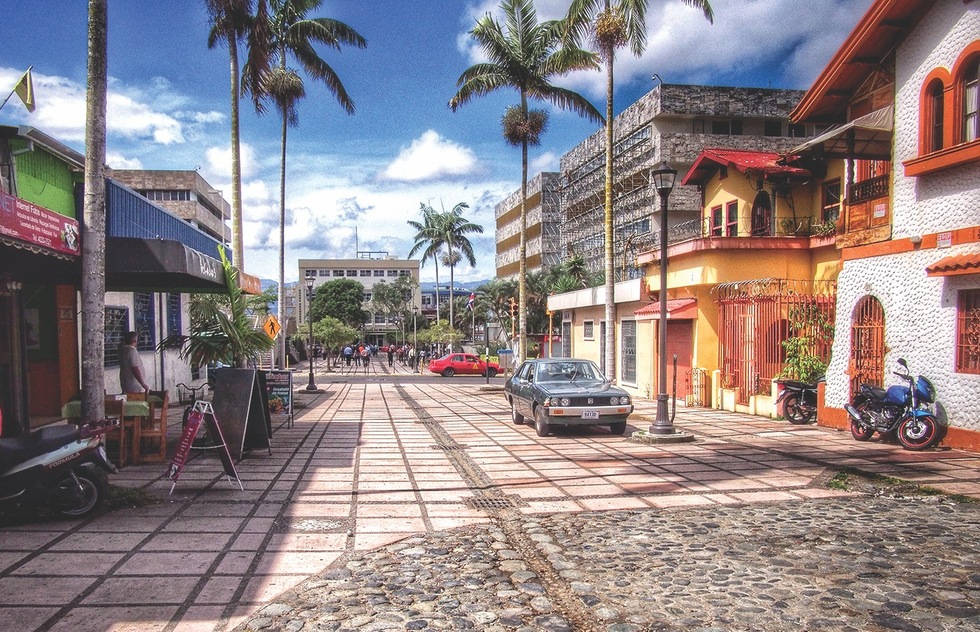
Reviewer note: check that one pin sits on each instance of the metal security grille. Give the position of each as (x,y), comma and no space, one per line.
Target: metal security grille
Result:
(495,502)
(173,314)
(867,364)
(566,339)
(602,347)
(754,319)
(116,324)
(143,321)
(968,332)
(629,351)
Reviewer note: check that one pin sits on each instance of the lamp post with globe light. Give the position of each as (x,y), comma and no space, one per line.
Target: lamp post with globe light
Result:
(663,181)
(311,387)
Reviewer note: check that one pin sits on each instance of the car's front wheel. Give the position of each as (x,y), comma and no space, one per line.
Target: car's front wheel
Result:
(617,428)
(491,372)
(515,416)
(541,425)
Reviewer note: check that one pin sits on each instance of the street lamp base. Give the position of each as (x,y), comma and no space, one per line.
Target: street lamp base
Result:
(678,436)
(313,390)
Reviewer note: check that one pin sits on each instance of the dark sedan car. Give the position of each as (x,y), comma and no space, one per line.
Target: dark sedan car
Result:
(566,392)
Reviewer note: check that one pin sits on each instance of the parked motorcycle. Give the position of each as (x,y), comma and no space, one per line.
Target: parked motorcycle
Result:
(798,401)
(903,410)
(63,467)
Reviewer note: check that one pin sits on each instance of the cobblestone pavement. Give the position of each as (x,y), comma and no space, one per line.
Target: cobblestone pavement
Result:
(405,503)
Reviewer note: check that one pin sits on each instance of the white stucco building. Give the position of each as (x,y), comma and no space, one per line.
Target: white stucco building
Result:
(909,285)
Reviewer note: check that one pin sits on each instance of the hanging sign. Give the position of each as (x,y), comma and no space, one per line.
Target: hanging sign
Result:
(37,225)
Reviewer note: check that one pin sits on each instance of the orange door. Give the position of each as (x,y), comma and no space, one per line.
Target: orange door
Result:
(680,341)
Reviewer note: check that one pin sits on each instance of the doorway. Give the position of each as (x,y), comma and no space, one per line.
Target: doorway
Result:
(867,359)
(680,341)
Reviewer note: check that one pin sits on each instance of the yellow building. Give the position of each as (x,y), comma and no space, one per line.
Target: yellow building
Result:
(764,244)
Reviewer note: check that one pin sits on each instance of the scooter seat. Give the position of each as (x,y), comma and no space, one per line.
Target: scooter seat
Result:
(16,450)
(874,391)
(795,385)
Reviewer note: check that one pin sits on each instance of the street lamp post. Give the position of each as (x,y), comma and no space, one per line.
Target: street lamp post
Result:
(663,180)
(415,339)
(311,387)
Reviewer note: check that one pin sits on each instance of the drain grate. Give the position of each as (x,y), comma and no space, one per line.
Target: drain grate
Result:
(448,447)
(495,502)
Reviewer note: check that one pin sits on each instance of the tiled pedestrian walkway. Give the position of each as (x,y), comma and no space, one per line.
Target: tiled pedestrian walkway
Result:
(369,464)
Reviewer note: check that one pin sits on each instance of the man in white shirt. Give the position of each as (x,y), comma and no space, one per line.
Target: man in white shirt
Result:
(131,379)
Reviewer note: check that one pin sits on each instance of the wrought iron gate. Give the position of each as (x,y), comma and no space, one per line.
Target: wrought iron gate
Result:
(867,363)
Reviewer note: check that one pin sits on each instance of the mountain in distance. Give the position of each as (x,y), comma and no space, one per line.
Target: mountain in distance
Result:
(429,286)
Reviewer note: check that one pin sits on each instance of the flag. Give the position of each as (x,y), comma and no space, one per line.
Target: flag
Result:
(25,90)
(469,303)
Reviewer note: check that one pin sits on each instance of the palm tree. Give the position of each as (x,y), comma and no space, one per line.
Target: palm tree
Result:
(454,228)
(525,57)
(613,24)
(93,228)
(428,238)
(576,268)
(291,33)
(232,20)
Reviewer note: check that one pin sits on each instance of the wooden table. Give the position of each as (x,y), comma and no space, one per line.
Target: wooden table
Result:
(73,409)
(133,414)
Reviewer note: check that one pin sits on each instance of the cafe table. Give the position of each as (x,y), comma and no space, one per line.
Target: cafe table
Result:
(73,409)
(133,413)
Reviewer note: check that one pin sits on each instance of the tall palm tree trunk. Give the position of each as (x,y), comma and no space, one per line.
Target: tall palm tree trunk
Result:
(522,269)
(610,350)
(452,293)
(436,262)
(237,247)
(93,228)
(282,243)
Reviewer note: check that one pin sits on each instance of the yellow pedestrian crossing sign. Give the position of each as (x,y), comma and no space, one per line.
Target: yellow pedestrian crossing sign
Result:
(272,327)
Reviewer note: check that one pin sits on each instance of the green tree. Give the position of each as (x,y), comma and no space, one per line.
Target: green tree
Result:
(231,21)
(291,34)
(525,57)
(612,24)
(497,294)
(258,305)
(454,229)
(395,298)
(341,299)
(221,329)
(428,240)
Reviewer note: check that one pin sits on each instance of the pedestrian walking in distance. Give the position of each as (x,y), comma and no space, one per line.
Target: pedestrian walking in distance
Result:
(391,357)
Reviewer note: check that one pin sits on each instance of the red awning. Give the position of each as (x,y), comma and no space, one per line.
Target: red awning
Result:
(677,308)
(765,163)
(959,264)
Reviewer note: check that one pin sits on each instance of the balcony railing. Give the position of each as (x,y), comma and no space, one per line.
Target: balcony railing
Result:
(872,189)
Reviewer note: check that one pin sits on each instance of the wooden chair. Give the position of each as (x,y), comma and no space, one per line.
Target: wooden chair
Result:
(127,429)
(153,430)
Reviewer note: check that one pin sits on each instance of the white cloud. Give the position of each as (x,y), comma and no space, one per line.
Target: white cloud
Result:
(682,47)
(115,160)
(548,161)
(219,162)
(144,113)
(431,157)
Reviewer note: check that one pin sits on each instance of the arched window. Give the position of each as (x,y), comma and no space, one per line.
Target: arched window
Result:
(971,100)
(935,113)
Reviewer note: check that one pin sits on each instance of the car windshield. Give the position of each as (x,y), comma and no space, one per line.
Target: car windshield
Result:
(567,371)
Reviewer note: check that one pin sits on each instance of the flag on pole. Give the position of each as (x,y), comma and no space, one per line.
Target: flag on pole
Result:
(25,90)
(469,303)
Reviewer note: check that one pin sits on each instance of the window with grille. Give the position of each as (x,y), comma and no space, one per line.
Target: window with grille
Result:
(566,339)
(588,330)
(628,347)
(968,332)
(324,273)
(379,273)
(173,314)
(716,221)
(143,321)
(116,326)
(352,273)
(365,273)
(971,102)
(338,273)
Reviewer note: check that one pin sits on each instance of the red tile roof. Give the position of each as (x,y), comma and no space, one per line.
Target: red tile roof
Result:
(759,162)
(958,264)
(676,308)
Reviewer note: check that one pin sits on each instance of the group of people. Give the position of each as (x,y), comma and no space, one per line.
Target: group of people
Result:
(360,354)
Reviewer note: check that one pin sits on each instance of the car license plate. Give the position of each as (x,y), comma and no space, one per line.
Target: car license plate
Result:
(590,414)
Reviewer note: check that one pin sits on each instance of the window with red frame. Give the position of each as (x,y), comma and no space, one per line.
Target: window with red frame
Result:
(831,200)
(971,101)
(968,332)
(935,130)
(731,219)
(717,226)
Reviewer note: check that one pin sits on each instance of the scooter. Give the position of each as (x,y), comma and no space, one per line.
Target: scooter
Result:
(62,466)
(798,401)
(903,410)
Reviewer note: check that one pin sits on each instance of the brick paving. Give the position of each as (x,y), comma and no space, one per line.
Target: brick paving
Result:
(369,465)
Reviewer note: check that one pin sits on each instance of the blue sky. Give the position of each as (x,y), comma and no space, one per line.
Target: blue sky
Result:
(168,106)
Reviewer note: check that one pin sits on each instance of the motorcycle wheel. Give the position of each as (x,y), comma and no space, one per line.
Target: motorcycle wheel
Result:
(74,502)
(918,433)
(793,412)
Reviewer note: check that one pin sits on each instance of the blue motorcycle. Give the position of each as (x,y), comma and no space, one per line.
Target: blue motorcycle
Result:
(903,410)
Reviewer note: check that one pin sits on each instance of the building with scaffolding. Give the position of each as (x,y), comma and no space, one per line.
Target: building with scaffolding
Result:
(672,123)
(543,212)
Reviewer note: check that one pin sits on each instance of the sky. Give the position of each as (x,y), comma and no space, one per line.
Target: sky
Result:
(169,107)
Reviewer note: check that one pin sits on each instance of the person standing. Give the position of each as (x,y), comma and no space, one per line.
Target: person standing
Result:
(348,354)
(366,357)
(131,375)
(391,357)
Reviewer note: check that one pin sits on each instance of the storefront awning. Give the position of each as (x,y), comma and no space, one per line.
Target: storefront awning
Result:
(955,265)
(868,136)
(677,308)
(160,265)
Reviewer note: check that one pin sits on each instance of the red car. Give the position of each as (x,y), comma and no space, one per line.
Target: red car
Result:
(463,364)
